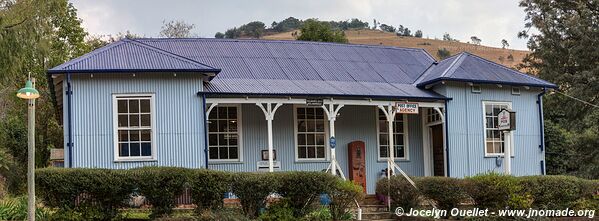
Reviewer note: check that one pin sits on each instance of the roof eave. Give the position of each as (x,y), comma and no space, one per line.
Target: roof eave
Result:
(440,97)
(434,81)
(99,71)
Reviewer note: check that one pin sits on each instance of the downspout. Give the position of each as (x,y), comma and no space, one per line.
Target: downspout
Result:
(70,120)
(447,138)
(542,127)
(205,129)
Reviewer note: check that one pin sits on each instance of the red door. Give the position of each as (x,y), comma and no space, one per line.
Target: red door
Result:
(357,163)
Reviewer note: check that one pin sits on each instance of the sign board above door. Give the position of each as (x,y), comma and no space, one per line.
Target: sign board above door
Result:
(406,108)
(314,102)
(506,120)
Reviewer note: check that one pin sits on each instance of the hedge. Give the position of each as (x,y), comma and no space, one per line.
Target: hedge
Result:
(252,189)
(161,186)
(303,189)
(208,188)
(495,191)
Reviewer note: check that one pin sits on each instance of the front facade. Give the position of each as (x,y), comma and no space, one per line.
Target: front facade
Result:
(250,105)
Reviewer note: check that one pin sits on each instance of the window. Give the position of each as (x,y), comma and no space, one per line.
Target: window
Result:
(476,89)
(494,140)
(515,90)
(224,133)
(311,136)
(433,116)
(400,138)
(134,127)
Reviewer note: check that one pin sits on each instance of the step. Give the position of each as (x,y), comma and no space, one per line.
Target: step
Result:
(374,208)
(377,215)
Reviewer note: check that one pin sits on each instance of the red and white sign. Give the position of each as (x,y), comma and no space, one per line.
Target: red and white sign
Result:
(406,108)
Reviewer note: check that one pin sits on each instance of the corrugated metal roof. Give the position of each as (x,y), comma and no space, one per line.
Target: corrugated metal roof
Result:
(130,56)
(466,67)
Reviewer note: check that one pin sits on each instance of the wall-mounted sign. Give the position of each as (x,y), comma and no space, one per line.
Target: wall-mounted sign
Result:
(265,155)
(406,108)
(506,120)
(314,102)
(262,166)
(333,142)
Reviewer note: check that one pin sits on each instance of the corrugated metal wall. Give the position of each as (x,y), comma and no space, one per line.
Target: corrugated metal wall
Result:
(354,123)
(179,118)
(466,136)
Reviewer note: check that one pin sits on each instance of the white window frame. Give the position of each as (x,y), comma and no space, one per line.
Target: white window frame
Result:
(326,137)
(115,127)
(406,139)
(239,136)
(484,104)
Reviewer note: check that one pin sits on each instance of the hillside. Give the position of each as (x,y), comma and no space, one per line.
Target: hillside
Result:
(377,37)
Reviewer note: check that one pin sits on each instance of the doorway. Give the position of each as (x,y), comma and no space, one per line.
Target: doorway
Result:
(438,153)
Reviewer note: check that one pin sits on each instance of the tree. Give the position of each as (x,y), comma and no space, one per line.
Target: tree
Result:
(219,35)
(35,35)
(253,29)
(475,40)
(287,24)
(387,28)
(504,44)
(314,30)
(418,34)
(447,37)
(176,29)
(443,53)
(562,53)
(233,33)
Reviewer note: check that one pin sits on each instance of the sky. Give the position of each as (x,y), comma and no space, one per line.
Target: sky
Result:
(489,20)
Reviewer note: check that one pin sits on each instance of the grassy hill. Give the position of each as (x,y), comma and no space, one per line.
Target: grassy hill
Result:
(377,37)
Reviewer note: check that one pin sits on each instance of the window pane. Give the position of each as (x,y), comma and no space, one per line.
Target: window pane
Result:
(213,152)
(382,115)
(124,150)
(496,109)
(232,113)
(301,152)
(311,125)
(144,105)
(301,126)
(301,139)
(320,152)
(383,126)
(133,106)
(123,121)
(212,126)
(399,151)
(319,113)
(310,139)
(233,139)
(134,149)
(145,120)
(489,122)
(222,126)
(233,153)
(223,153)
(232,125)
(134,120)
(384,139)
(398,139)
(222,112)
(123,135)
(122,106)
(310,113)
(384,151)
(490,147)
(488,110)
(213,139)
(146,149)
(145,135)
(320,126)
(213,113)
(134,135)
(311,152)
(319,139)
(301,113)
(222,140)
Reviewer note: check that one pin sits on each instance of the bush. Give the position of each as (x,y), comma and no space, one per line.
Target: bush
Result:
(303,188)
(495,191)
(252,190)
(280,210)
(208,188)
(224,214)
(16,209)
(161,186)
(556,192)
(343,197)
(446,191)
(401,192)
(320,214)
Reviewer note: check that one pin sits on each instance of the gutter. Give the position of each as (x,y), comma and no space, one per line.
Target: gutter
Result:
(447,138)
(205,130)
(70,120)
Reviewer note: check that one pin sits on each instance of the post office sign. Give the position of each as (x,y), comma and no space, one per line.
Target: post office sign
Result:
(406,107)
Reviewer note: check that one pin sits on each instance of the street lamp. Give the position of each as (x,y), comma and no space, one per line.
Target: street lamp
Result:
(29,93)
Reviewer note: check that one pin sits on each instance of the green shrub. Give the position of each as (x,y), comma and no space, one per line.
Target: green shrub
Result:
(223,214)
(555,192)
(58,187)
(343,197)
(280,210)
(303,188)
(161,186)
(16,209)
(446,191)
(252,190)
(401,192)
(496,191)
(322,213)
(208,188)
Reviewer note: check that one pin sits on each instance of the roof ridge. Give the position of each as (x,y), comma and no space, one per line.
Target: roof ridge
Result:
(168,53)
(460,58)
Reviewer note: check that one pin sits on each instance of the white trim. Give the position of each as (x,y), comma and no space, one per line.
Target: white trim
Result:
(511,140)
(115,128)
(426,145)
(476,88)
(239,135)
(516,90)
(405,139)
(359,102)
(326,138)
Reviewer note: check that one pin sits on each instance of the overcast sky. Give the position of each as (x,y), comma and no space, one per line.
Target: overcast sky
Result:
(490,20)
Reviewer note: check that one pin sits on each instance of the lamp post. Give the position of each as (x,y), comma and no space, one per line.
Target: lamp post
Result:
(29,93)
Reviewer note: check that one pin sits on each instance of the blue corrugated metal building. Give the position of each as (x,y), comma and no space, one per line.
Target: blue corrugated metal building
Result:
(257,105)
